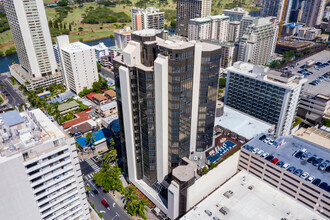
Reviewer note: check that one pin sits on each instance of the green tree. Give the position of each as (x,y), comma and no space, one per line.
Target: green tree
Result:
(326,122)
(173,23)
(80,29)
(99,67)
(70,27)
(50,24)
(288,55)
(90,139)
(307,50)
(112,36)
(88,188)
(142,207)
(222,82)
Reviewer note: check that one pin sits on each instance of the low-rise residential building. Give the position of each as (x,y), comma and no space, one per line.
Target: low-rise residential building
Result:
(292,166)
(100,51)
(107,109)
(110,94)
(99,99)
(81,129)
(39,168)
(67,107)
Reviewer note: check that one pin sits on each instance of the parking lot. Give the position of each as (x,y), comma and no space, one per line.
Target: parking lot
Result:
(318,74)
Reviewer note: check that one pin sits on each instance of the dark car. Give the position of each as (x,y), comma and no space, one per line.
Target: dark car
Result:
(316,182)
(95,191)
(280,164)
(106,205)
(269,158)
(291,169)
(262,137)
(311,159)
(327,169)
(317,161)
(298,172)
(323,185)
(328,188)
(298,154)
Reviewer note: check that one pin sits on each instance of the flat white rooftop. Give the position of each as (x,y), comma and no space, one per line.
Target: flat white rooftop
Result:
(76,47)
(242,124)
(262,202)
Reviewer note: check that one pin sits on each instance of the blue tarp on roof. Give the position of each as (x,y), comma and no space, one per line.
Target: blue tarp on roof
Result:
(12,118)
(99,135)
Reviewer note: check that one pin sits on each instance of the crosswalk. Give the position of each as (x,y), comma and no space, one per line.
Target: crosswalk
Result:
(95,167)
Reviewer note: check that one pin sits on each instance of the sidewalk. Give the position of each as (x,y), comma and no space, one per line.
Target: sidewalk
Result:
(94,215)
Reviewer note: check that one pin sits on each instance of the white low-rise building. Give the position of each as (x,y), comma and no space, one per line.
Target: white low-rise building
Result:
(100,51)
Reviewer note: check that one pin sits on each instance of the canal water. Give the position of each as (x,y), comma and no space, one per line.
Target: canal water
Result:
(8,60)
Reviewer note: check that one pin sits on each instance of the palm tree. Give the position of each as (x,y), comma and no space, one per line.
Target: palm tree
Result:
(142,206)
(88,188)
(90,139)
(130,194)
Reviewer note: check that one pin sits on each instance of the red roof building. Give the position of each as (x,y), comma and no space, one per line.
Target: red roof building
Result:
(81,117)
(91,95)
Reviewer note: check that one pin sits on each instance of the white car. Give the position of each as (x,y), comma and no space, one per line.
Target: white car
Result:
(271,142)
(255,150)
(260,152)
(286,166)
(310,178)
(264,155)
(304,175)
(267,140)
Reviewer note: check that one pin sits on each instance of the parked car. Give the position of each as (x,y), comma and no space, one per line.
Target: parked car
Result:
(316,182)
(95,191)
(323,165)
(304,175)
(105,204)
(317,161)
(280,164)
(310,178)
(269,158)
(298,172)
(291,169)
(323,185)
(264,154)
(286,165)
(275,160)
(208,212)
(298,154)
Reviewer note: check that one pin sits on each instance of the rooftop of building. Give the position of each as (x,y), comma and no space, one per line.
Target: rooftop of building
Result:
(245,196)
(263,73)
(210,18)
(284,149)
(126,30)
(100,46)
(76,47)
(83,128)
(293,43)
(108,106)
(323,86)
(20,131)
(147,32)
(67,106)
(175,44)
(315,136)
(237,10)
(293,25)
(99,97)
(242,124)
(209,47)
(110,92)
(81,117)
(220,43)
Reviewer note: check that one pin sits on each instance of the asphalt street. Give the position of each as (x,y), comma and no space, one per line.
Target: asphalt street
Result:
(107,73)
(115,212)
(13,98)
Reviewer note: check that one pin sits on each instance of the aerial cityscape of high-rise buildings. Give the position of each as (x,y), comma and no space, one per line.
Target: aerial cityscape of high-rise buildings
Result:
(183,111)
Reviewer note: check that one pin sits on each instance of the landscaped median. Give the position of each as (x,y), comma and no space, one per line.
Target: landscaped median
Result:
(3,99)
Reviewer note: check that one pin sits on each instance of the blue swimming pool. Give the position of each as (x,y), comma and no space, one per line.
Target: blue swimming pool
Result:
(99,135)
(225,147)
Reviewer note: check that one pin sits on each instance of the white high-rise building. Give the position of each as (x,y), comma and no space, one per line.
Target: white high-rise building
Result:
(29,27)
(212,28)
(39,170)
(235,14)
(122,37)
(233,31)
(149,18)
(78,62)
(265,94)
(190,9)
(258,41)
